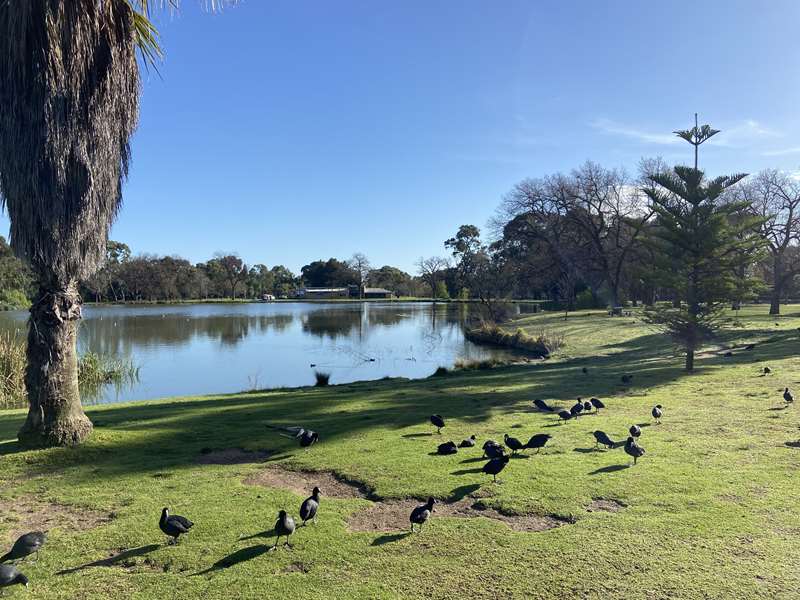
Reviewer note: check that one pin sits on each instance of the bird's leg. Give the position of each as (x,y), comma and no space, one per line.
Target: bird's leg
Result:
(287,544)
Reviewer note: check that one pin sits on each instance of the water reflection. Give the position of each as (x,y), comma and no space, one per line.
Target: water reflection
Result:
(216,348)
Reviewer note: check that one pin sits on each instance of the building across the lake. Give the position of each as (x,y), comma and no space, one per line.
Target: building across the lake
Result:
(322,293)
(377,293)
(351,291)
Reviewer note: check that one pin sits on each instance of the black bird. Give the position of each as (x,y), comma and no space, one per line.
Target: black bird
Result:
(25,546)
(421,514)
(467,443)
(10,575)
(542,405)
(584,370)
(438,422)
(787,395)
(310,506)
(600,437)
(306,437)
(174,525)
(633,449)
(284,526)
(447,448)
(635,431)
(626,379)
(494,466)
(597,403)
(657,412)
(564,415)
(767,370)
(749,346)
(728,354)
(492,449)
(587,406)
(538,441)
(513,443)
(577,408)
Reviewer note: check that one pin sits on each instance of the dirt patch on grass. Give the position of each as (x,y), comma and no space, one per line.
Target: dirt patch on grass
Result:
(606,505)
(302,482)
(393,516)
(297,567)
(21,515)
(233,456)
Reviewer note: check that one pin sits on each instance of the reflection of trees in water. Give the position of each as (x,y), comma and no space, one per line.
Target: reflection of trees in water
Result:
(118,334)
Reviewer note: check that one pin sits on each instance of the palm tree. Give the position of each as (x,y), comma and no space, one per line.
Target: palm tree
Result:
(69,102)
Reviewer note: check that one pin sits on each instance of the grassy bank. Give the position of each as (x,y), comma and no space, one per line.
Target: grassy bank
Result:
(710,511)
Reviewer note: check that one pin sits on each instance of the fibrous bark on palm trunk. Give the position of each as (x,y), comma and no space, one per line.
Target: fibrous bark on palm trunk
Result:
(55,416)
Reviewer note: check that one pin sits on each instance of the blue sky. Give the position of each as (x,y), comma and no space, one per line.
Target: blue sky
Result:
(289,131)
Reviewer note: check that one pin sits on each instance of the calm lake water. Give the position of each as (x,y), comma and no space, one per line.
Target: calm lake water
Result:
(218,348)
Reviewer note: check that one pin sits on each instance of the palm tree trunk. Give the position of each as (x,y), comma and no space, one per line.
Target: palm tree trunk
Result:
(55,417)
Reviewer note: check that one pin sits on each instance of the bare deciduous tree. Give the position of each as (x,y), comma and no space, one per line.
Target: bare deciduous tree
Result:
(775,198)
(430,271)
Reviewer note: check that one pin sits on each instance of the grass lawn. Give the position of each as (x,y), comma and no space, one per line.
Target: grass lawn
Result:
(710,511)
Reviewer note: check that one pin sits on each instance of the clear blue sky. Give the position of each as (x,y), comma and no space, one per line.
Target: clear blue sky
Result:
(289,131)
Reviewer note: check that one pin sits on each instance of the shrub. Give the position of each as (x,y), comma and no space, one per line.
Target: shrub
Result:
(322,379)
(440,371)
(541,344)
(94,372)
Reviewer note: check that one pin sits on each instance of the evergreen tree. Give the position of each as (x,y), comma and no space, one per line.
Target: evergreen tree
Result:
(703,244)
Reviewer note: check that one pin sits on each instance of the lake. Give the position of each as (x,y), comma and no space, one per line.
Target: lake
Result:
(196,349)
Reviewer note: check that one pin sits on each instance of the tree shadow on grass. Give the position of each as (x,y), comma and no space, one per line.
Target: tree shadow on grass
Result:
(235,558)
(158,437)
(112,561)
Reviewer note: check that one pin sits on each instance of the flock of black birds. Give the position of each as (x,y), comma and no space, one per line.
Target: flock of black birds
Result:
(175,525)
(498,458)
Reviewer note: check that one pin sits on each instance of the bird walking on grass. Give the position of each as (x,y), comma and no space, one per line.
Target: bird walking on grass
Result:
(421,514)
(310,506)
(564,415)
(538,441)
(587,406)
(492,449)
(467,443)
(657,412)
(284,527)
(513,443)
(597,403)
(577,408)
(600,437)
(767,371)
(787,396)
(633,449)
(437,422)
(494,466)
(174,525)
(542,405)
(10,575)
(306,437)
(26,545)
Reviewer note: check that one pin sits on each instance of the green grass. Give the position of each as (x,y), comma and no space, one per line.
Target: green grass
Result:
(712,507)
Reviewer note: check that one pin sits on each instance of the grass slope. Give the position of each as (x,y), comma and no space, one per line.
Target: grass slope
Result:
(712,507)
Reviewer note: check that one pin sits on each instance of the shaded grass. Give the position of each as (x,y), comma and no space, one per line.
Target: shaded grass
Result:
(710,510)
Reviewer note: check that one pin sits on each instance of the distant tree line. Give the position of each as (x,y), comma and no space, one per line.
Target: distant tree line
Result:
(592,238)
